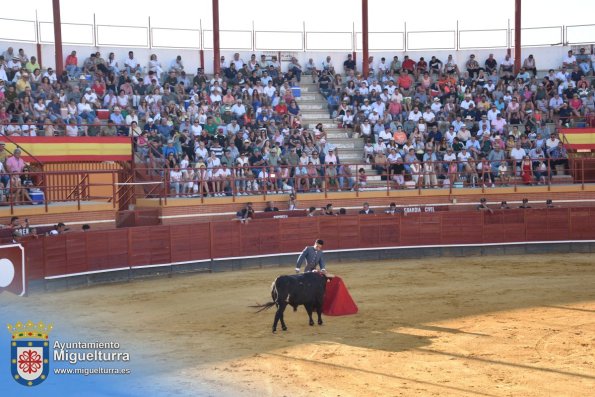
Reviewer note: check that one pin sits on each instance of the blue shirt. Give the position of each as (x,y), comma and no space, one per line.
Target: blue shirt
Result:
(164,130)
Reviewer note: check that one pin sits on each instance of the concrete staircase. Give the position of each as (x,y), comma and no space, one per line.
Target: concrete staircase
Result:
(350,150)
(314,110)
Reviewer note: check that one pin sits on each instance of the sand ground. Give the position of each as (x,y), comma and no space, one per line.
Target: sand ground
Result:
(478,326)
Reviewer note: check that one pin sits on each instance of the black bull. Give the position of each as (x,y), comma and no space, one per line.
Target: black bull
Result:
(299,289)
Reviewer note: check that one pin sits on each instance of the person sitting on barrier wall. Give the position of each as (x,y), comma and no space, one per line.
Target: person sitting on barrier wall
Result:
(483,206)
(60,228)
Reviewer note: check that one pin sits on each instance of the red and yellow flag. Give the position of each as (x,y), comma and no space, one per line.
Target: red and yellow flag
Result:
(578,138)
(58,149)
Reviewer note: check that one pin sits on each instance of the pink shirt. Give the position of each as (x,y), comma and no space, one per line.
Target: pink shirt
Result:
(15,165)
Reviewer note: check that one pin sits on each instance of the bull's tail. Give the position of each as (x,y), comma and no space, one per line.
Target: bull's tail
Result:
(268,305)
(263,307)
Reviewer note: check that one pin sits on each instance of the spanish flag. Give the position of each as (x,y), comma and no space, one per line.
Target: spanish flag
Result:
(59,149)
(578,138)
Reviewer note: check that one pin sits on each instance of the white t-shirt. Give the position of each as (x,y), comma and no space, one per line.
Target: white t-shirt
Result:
(517,153)
(463,157)
(415,116)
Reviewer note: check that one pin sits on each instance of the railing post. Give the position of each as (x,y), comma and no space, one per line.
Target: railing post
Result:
(404,36)
(11,193)
(448,172)
(45,192)
(458,37)
(114,188)
(583,173)
(150,34)
(304,35)
(549,174)
(94,31)
(324,180)
(165,179)
(387,182)
(233,184)
(78,196)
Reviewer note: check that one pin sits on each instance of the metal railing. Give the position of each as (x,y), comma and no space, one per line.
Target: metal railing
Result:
(96,34)
(113,186)
(45,188)
(266,181)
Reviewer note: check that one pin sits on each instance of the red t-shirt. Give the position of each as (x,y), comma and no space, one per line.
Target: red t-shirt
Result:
(409,64)
(405,82)
(281,109)
(99,89)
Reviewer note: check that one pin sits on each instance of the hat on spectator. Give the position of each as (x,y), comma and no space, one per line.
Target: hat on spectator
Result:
(88,89)
(246,140)
(468,118)
(436,99)
(170,141)
(149,120)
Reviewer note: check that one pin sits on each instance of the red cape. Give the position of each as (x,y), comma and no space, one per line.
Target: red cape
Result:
(337,301)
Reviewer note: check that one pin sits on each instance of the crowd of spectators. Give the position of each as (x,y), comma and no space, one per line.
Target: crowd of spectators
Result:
(240,131)
(435,123)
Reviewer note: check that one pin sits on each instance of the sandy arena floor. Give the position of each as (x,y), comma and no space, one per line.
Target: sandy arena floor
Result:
(481,326)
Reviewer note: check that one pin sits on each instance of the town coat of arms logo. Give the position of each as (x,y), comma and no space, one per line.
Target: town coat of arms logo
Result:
(29,352)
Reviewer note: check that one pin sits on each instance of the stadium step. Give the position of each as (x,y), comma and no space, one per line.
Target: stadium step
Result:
(326,124)
(307,116)
(347,144)
(337,135)
(312,107)
(307,98)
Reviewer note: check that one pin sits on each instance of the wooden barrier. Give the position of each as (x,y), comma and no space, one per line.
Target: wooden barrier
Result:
(121,249)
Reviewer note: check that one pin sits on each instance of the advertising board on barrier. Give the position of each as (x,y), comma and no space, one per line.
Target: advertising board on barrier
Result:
(424,208)
(12,269)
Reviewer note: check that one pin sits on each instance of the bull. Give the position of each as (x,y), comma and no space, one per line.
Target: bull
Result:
(299,289)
